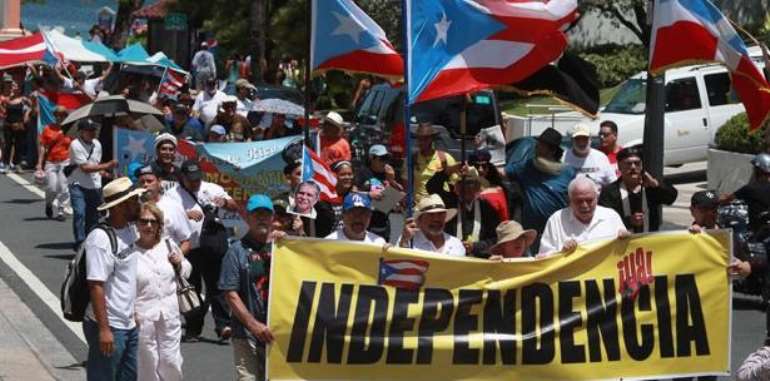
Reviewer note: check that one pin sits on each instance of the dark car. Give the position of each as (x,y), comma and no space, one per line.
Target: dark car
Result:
(379,120)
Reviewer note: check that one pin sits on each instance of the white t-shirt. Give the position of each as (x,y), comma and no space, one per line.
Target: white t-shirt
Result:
(79,155)
(92,87)
(595,166)
(242,107)
(206,194)
(452,246)
(156,283)
(339,235)
(117,271)
(175,222)
(207,105)
(563,226)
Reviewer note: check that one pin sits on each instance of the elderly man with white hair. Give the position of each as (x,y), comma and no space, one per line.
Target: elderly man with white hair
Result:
(581,221)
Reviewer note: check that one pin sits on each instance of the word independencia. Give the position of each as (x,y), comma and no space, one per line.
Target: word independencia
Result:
(482,324)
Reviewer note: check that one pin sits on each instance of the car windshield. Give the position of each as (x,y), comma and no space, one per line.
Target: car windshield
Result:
(630,99)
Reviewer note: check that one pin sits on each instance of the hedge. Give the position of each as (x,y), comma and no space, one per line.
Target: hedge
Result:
(734,136)
(615,63)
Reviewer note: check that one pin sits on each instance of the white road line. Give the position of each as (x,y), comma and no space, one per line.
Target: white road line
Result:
(24,273)
(42,292)
(26,184)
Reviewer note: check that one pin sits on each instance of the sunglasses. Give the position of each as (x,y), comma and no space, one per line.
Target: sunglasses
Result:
(148,221)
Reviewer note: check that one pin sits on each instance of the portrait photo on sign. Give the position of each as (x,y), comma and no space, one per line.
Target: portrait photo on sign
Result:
(303,199)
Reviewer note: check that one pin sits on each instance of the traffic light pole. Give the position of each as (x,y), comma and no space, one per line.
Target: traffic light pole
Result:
(654,118)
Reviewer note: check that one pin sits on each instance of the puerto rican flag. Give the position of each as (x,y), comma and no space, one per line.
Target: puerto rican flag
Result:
(460,46)
(314,169)
(692,31)
(345,38)
(402,273)
(22,50)
(172,82)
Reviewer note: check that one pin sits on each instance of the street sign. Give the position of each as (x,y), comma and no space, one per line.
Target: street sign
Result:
(175,21)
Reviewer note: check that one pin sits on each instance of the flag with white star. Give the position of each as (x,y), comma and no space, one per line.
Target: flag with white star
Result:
(345,38)
(460,46)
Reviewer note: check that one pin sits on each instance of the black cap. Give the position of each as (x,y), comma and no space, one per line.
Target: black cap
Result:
(627,152)
(551,137)
(86,124)
(191,170)
(707,199)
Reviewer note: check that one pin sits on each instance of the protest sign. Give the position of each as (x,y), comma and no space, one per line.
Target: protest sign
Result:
(655,306)
(242,169)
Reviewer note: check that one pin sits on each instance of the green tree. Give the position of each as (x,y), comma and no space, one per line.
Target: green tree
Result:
(632,14)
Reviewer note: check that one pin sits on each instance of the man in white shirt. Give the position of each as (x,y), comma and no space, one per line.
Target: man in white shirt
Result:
(425,231)
(203,65)
(356,215)
(109,325)
(207,101)
(588,161)
(176,225)
(85,179)
(208,243)
(581,221)
(242,90)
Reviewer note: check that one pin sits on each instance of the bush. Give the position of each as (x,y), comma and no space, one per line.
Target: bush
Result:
(615,63)
(734,136)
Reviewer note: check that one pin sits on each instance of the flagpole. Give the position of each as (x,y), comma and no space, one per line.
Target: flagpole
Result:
(463,130)
(654,115)
(309,38)
(407,125)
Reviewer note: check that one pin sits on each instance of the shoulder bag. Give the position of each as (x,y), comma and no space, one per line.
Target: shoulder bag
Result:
(190,303)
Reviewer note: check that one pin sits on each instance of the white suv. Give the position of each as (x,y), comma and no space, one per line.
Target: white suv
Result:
(699,100)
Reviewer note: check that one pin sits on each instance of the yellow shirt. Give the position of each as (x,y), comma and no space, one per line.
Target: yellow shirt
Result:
(424,169)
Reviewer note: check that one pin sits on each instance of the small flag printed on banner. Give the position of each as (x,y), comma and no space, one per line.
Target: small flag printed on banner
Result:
(402,273)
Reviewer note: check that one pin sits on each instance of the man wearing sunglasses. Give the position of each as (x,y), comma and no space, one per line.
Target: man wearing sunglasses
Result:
(637,195)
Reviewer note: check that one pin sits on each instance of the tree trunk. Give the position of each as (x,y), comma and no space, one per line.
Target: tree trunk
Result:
(257,38)
(123,22)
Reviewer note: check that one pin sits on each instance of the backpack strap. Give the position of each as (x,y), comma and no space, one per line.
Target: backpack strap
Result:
(111,235)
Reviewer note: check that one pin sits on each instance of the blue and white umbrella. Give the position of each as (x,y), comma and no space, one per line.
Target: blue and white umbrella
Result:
(278,106)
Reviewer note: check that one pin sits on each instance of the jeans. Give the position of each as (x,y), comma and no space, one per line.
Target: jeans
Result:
(207,266)
(56,188)
(121,364)
(84,202)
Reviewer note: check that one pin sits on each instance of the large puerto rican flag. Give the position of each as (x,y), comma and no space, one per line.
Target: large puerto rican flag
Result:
(692,31)
(345,38)
(22,50)
(460,46)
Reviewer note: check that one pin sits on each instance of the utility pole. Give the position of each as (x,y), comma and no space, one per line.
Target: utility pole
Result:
(654,118)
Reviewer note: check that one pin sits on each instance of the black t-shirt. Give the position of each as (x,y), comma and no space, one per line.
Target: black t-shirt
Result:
(757,196)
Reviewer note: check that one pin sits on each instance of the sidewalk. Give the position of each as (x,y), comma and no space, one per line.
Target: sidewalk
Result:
(677,216)
(28,350)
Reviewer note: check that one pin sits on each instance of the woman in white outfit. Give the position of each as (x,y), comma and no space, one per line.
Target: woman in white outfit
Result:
(157,307)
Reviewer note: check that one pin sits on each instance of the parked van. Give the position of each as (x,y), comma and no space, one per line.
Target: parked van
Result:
(699,100)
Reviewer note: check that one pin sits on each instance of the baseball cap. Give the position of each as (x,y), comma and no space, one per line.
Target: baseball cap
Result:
(218,129)
(378,150)
(259,201)
(581,130)
(356,200)
(165,137)
(705,199)
(191,170)
(144,170)
(86,124)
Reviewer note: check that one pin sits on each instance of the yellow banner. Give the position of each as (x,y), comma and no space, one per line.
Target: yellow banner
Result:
(656,305)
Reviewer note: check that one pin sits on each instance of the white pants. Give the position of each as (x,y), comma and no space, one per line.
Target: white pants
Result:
(249,360)
(56,185)
(160,356)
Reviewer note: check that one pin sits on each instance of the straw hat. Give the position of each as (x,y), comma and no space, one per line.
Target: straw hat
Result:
(334,119)
(433,204)
(117,191)
(509,231)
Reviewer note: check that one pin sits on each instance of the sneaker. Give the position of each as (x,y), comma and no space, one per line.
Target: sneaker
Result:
(49,210)
(225,334)
(60,217)
(68,210)
(19,169)
(190,339)
(3,169)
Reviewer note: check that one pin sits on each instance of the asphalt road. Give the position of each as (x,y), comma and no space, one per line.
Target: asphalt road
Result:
(43,247)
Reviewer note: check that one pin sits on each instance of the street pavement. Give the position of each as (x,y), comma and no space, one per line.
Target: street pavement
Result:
(37,344)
